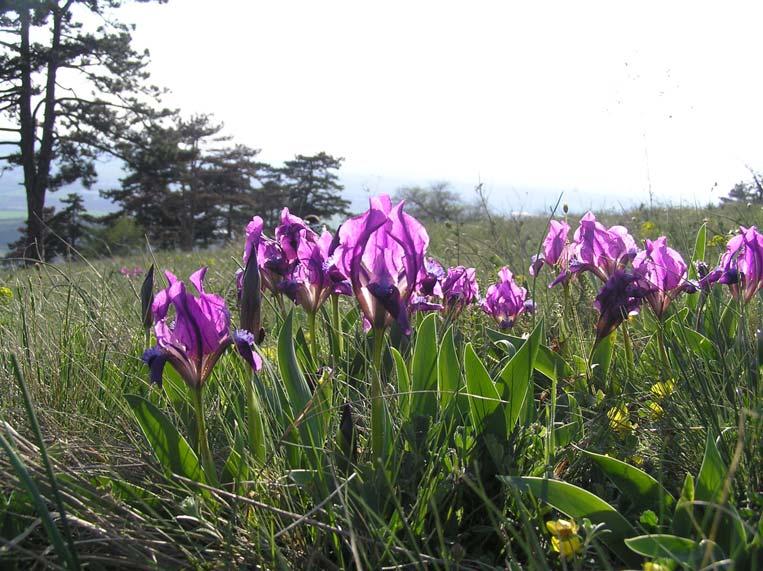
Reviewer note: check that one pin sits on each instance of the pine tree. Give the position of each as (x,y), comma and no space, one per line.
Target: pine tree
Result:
(57,130)
(311,187)
(70,225)
(186,186)
(153,167)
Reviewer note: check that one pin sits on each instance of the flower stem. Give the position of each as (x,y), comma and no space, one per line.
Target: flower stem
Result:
(313,336)
(663,350)
(255,428)
(628,347)
(337,323)
(203,445)
(378,417)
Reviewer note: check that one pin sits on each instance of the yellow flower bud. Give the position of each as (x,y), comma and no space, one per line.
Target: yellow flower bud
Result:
(663,389)
(564,537)
(6,295)
(619,419)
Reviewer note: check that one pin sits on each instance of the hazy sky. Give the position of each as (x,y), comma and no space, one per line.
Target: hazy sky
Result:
(601,98)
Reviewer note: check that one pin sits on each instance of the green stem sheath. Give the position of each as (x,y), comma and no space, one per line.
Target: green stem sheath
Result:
(337,323)
(255,429)
(203,445)
(628,346)
(663,350)
(313,336)
(378,417)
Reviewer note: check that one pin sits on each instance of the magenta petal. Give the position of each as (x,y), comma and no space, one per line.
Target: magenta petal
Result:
(292,233)
(460,288)
(197,279)
(620,296)
(505,300)
(382,253)
(155,358)
(253,237)
(555,242)
(244,343)
(199,332)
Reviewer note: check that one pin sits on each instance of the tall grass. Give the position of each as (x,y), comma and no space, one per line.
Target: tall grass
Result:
(81,486)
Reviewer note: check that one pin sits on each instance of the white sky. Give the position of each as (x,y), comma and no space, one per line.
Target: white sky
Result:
(598,97)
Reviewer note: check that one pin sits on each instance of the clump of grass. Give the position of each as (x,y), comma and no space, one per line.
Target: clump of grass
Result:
(91,490)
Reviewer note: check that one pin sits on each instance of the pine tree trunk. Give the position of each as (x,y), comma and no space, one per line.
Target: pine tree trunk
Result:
(37,168)
(35,203)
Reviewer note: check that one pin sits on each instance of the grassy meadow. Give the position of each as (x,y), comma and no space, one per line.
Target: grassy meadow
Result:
(522,449)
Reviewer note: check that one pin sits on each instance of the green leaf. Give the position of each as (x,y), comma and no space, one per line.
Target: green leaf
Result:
(684,512)
(448,370)
(601,358)
(514,381)
(547,362)
(730,320)
(170,448)
(649,519)
(323,401)
(694,340)
(236,469)
(663,545)
(578,503)
(303,478)
(564,433)
(698,255)
(484,400)
(712,474)
(129,492)
(424,369)
(403,383)
(298,391)
(730,533)
(643,490)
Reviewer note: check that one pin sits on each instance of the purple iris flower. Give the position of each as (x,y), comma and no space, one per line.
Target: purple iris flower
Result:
(741,266)
(422,304)
(598,249)
(429,287)
(430,282)
(273,260)
(505,300)
(707,277)
(382,252)
(555,247)
(459,289)
(198,335)
(292,233)
(620,296)
(316,275)
(665,272)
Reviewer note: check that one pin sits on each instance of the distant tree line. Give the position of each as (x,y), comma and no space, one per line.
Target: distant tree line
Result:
(438,202)
(187,185)
(72,88)
(746,191)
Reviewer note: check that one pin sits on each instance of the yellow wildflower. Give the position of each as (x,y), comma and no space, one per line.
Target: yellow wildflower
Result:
(718,241)
(663,389)
(619,420)
(649,229)
(269,353)
(654,566)
(6,294)
(564,537)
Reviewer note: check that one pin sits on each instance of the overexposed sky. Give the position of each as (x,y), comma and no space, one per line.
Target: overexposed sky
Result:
(599,98)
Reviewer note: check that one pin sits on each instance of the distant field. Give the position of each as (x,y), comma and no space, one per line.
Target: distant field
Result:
(11,215)
(9,225)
